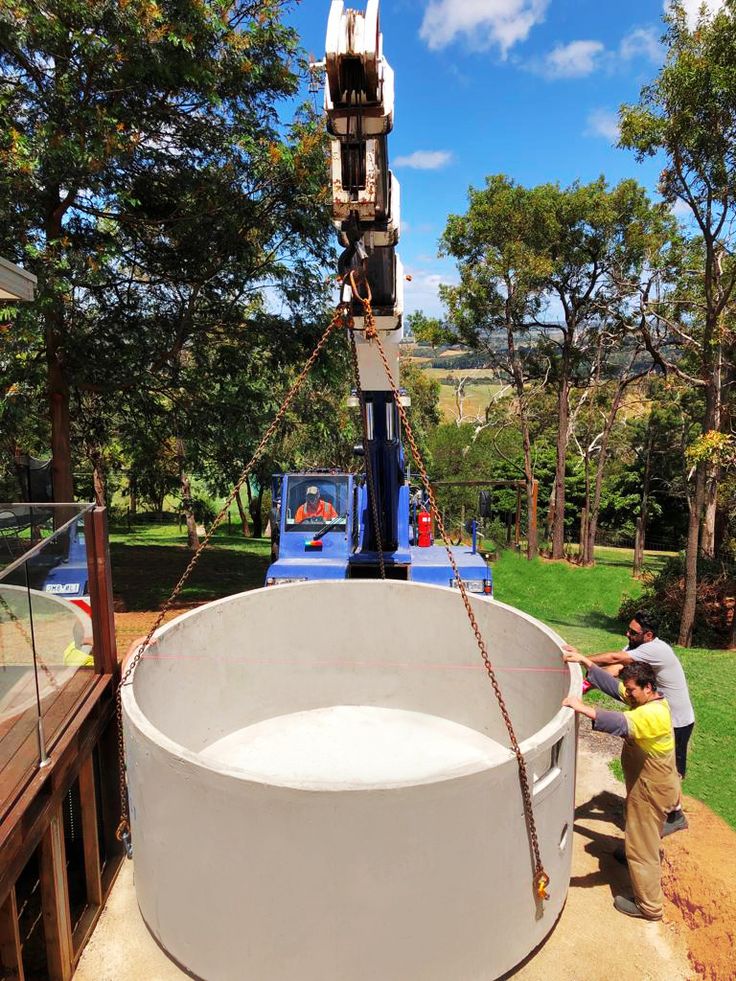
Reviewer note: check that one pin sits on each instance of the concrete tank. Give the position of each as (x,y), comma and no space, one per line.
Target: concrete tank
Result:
(321,786)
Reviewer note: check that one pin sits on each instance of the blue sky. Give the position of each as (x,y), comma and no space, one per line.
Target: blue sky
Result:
(529,88)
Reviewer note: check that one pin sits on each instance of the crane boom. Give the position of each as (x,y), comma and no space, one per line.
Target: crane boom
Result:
(374,529)
(359,105)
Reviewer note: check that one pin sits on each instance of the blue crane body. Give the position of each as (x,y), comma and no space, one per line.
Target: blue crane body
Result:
(318,549)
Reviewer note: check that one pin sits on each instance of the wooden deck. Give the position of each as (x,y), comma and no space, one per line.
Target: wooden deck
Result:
(19,756)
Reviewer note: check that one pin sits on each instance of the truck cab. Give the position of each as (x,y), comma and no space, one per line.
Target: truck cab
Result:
(311,535)
(318,522)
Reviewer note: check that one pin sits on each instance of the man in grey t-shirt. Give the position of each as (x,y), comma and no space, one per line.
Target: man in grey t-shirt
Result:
(644,645)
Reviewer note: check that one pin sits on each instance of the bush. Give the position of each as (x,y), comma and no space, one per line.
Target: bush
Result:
(664,594)
(495,531)
(204,510)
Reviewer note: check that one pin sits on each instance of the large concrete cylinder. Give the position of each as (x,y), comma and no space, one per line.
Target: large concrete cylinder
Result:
(321,786)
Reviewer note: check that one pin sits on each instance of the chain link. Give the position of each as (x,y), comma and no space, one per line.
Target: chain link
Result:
(123,829)
(367,456)
(541,879)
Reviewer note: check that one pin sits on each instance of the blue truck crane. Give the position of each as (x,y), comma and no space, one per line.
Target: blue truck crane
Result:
(329,525)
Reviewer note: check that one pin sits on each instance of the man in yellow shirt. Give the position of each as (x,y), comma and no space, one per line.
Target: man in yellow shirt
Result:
(648,761)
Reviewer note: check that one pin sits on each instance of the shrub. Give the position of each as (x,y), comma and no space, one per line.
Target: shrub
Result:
(664,594)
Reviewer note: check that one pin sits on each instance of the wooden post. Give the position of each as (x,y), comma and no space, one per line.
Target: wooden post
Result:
(55,901)
(11,960)
(100,591)
(88,798)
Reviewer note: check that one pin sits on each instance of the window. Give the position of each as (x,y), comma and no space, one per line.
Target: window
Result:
(317,501)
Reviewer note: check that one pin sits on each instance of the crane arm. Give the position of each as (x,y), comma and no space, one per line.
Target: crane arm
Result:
(359,105)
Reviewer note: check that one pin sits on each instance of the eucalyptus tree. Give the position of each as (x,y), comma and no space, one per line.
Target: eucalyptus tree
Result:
(543,271)
(500,245)
(688,114)
(146,177)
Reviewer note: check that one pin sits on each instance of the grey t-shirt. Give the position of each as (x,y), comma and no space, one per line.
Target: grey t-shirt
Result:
(670,678)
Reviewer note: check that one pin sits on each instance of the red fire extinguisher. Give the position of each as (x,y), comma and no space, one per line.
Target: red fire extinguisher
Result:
(424,524)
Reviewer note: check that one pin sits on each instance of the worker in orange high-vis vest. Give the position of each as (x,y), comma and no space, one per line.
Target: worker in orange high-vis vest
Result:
(314,508)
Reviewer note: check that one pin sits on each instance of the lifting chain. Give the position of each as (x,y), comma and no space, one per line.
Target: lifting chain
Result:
(541,879)
(367,456)
(123,830)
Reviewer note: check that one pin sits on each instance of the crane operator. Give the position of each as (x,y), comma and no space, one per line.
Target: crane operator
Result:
(314,508)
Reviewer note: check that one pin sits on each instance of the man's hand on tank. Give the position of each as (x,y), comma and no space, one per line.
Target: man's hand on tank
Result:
(578,705)
(571,701)
(573,656)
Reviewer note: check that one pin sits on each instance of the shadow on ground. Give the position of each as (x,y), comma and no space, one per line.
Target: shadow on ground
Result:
(606,808)
(144,576)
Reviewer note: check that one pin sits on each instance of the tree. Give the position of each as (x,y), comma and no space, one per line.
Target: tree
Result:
(689,114)
(138,137)
(524,254)
(500,247)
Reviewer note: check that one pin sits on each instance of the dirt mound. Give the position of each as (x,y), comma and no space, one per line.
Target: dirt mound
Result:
(699,879)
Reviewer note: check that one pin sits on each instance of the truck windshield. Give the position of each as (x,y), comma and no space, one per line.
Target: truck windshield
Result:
(316,501)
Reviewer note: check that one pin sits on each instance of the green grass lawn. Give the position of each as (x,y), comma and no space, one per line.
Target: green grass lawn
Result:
(148,561)
(582,604)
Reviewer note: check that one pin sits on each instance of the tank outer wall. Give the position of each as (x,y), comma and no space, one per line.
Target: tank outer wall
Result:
(237,879)
(243,879)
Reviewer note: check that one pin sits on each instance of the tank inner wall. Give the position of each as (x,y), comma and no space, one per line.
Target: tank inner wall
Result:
(314,645)
(240,878)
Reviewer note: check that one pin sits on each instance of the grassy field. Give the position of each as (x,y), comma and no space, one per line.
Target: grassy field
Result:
(580,604)
(148,561)
(479,391)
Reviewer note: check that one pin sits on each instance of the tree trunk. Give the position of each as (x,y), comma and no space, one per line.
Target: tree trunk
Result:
(254,506)
(61,454)
(186,498)
(638,548)
(243,516)
(585,558)
(641,521)
(714,418)
(99,482)
(58,386)
(563,424)
(532,495)
(695,504)
(133,492)
(517,372)
(600,471)
(708,530)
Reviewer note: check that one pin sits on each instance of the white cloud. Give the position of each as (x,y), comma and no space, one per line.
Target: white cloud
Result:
(425,160)
(681,210)
(480,23)
(641,42)
(578,59)
(573,60)
(692,9)
(603,122)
